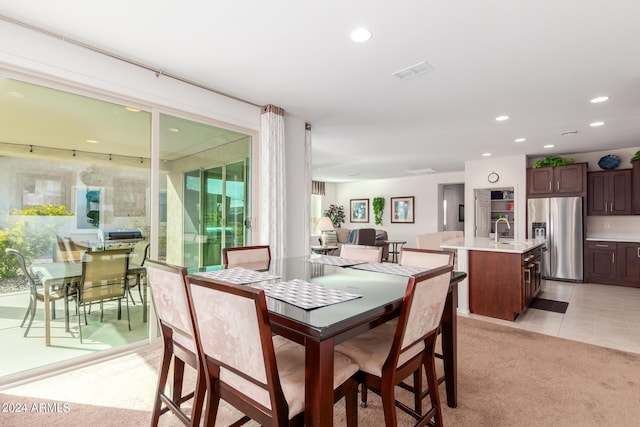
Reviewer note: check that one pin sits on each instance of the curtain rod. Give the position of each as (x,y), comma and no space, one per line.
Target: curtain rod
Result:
(157,72)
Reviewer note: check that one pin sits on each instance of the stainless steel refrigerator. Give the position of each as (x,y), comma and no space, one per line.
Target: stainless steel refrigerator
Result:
(559,221)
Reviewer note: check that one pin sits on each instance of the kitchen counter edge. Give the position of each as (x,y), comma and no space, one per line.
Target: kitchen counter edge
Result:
(487,244)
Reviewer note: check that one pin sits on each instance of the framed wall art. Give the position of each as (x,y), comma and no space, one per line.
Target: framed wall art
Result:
(359,210)
(402,209)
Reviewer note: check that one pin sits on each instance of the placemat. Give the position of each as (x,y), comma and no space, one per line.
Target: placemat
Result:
(391,268)
(239,275)
(334,260)
(306,295)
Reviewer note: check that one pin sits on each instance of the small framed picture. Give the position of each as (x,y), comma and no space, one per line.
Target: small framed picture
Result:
(402,209)
(359,210)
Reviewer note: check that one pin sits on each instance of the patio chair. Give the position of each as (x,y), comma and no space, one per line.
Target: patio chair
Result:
(239,353)
(104,276)
(36,293)
(169,290)
(388,354)
(138,256)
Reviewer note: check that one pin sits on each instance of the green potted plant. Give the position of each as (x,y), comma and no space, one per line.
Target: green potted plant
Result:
(636,156)
(336,214)
(553,161)
(378,207)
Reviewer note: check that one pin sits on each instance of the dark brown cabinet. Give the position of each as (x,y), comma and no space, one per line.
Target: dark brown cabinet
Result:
(609,192)
(570,180)
(635,186)
(613,263)
(503,284)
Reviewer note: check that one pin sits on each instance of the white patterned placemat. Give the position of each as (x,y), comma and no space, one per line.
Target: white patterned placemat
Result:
(334,260)
(238,275)
(306,295)
(391,268)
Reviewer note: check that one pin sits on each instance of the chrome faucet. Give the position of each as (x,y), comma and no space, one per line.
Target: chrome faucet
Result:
(496,227)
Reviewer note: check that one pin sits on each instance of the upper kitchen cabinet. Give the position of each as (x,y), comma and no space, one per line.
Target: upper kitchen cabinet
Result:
(609,192)
(559,181)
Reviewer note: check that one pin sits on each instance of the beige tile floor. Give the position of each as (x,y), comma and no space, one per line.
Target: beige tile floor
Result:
(604,315)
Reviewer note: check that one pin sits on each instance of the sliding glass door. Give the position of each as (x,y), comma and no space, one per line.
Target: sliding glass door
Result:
(214,212)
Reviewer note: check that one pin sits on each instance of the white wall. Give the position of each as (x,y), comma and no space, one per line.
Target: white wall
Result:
(512,172)
(425,189)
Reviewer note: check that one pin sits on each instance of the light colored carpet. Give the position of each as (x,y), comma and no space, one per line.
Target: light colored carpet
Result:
(507,377)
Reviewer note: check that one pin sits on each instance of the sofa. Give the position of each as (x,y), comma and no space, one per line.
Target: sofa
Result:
(361,236)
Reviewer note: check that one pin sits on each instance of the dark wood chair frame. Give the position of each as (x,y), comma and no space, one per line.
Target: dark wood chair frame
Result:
(394,375)
(278,415)
(180,355)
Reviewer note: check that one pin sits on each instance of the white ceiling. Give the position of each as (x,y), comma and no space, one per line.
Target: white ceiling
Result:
(540,62)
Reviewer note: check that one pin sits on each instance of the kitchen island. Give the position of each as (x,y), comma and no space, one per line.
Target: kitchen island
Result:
(502,278)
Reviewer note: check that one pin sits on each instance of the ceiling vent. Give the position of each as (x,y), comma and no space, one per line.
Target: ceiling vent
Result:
(413,71)
(569,133)
(421,171)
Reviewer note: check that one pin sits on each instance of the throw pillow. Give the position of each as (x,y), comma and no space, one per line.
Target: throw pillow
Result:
(352,236)
(379,237)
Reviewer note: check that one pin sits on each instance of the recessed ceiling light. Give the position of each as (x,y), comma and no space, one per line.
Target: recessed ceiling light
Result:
(360,35)
(520,140)
(502,118)
(600,99)
(133,110)
(549,146)
(486,154)
(596,124)
(174,130)
(92,141)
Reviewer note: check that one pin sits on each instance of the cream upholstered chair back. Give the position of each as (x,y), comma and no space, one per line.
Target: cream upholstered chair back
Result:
(253,255)
(371,254)
(424,304)
(426,258)
(235,333)
(168,288)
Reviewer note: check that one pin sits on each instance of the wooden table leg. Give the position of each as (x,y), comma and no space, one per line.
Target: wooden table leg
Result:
(449,346)
(319,383)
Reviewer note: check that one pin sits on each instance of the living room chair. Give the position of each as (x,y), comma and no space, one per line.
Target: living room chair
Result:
(169,289)
(364,236)
(388,354)
(36,293)
(255,257)
(104,276)
(371,254)
(260,374)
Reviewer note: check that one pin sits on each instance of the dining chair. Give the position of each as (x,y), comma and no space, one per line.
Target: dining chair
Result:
(427,258)
(173,308)
(104,277)
(246,255)
(36,293)
(260,374)
(388,354)
(371,254)
(139,255)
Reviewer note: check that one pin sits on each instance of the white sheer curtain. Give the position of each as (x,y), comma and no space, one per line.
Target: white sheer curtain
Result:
(272,180)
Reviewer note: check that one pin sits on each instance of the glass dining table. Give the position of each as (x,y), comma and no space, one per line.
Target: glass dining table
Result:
(378,298)
(62,273)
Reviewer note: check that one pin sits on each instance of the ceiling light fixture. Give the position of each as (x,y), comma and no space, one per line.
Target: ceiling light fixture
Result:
(486,154)
(596,124)
(360,35)
(549,146)
(15,94)
(520,140)
(599,99)
(502,118)
(92,141)
(133,110)
(174,130)
(412,71)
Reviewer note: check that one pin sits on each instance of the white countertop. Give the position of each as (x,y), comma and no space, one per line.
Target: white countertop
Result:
(634,238)
(487,244)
